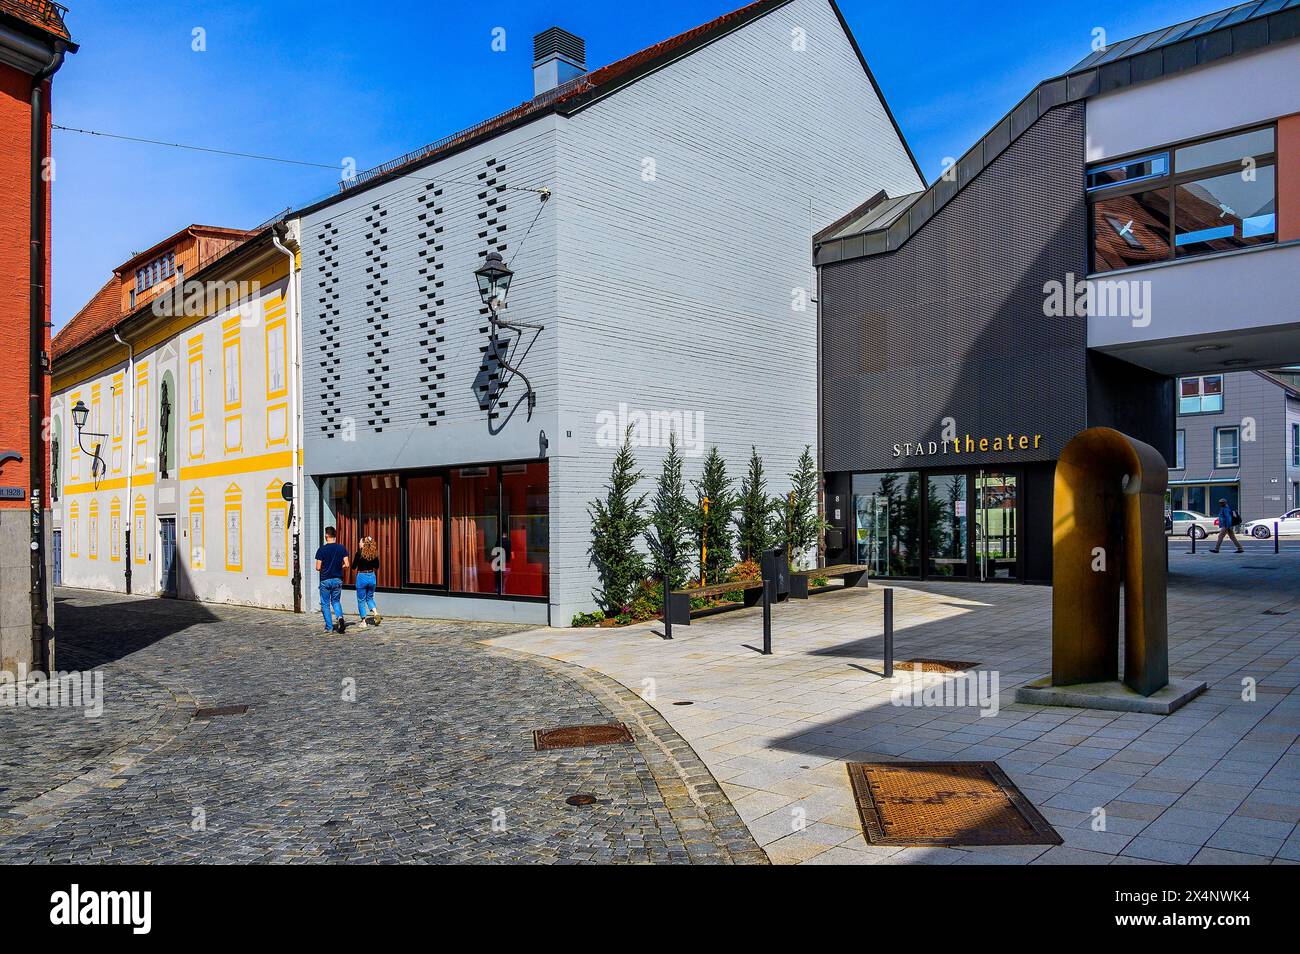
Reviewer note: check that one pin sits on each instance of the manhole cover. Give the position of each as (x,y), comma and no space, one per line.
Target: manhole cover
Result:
(1276,612)
(572,736)
(944,803)
(934,665)
(684,703)
(580,799)
(219,711)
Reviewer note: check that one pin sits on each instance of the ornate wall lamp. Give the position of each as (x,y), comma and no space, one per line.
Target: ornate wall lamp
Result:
(79,415)
(493,283)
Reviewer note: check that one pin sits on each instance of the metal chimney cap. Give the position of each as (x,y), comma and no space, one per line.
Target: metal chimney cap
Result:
(559,41)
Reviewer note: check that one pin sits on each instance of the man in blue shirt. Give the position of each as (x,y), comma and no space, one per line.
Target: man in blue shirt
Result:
(1225,527)
(331,561)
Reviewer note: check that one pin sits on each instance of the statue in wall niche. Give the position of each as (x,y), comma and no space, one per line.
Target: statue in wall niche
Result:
(164,422)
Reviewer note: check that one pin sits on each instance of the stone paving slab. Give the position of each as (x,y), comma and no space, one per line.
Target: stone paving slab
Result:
(408,742)
(776,731)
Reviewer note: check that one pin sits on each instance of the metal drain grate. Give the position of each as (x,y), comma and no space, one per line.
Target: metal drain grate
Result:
(944,803)
(573,736)
(933,665)
(219,711)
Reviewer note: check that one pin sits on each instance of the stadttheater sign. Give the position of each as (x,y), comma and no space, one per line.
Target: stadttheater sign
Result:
(968,445)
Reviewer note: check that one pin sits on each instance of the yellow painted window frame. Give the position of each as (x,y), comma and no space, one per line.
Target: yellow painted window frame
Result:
(196,509)
(75,444)
(142,416)
(277,398)
(115,530)
(276,503)
(139,524)
(230,340)
(195,418)
(234,505)
(92,524)
(74,513)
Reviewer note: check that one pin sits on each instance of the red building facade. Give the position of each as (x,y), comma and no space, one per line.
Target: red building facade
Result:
(33,42)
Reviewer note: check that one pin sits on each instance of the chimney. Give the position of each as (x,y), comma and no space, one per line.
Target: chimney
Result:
(558,56)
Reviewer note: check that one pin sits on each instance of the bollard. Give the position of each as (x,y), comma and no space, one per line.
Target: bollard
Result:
(1275,538)
(668,613)
(889,632)
(768,587)
(1193,539)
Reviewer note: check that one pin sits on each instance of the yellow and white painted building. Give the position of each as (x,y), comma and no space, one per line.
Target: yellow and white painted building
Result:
(186,371)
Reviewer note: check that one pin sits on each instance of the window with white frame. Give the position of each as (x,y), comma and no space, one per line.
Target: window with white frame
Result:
(1200,395)
(1227,447)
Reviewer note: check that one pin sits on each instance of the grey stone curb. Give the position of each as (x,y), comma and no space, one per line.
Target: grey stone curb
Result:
(714,833)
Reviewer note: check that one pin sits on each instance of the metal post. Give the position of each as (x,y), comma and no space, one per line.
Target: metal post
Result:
(1275,538)
(768,587)
(668,611)
(1193,534)
(889,632)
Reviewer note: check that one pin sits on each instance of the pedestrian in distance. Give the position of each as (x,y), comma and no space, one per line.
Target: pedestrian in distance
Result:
(366,562)
(331,561)
(1228,519)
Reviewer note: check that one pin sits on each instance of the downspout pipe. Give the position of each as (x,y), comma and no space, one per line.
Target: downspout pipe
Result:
(129,384)
(292,341)
(42,649)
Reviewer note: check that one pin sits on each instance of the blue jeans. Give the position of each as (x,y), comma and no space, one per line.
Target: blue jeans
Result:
(366,595)
(331,598)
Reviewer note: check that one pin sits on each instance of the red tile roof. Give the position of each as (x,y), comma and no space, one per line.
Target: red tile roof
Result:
(98,317)
(104,310)
(41,14)
(569,96)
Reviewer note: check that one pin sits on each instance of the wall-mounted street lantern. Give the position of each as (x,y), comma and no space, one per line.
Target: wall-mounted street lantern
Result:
(79,415)
(493,283)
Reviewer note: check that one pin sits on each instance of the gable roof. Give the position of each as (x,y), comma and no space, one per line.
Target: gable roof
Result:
(1232,32)
(581,91)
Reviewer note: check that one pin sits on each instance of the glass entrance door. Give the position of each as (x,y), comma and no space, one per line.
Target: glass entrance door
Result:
(996,526)
(947,526)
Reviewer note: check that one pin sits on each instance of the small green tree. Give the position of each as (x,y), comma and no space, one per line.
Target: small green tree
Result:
(669,536)
(617,523)
(800,524)
(713,530)
(754,519)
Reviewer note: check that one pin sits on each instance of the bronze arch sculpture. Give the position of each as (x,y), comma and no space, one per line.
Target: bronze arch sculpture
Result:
(1108,530)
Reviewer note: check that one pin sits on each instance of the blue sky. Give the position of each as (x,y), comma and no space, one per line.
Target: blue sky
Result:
(327,79)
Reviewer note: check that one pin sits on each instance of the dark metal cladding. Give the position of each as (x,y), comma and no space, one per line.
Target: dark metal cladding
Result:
(952,325)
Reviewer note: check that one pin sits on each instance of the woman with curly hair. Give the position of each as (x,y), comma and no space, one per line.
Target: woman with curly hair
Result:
(366,563)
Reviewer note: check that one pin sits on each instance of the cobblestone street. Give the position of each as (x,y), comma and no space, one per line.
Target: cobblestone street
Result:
(433,761)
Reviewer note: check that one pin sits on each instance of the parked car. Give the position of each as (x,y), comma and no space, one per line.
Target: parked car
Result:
(1287,523)
(1190,523)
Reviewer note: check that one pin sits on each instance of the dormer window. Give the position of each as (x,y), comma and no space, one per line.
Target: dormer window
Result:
(163,267)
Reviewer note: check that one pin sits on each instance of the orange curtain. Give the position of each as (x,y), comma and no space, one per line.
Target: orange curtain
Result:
(381,514)
(424,512)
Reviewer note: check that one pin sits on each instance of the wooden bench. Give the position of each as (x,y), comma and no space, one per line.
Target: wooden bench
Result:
(853,574)
(679,601)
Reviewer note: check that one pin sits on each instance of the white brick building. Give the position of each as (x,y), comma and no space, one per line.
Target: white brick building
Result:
(668,261)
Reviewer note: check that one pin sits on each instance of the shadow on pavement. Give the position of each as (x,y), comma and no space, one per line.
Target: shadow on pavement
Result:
(105,632)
